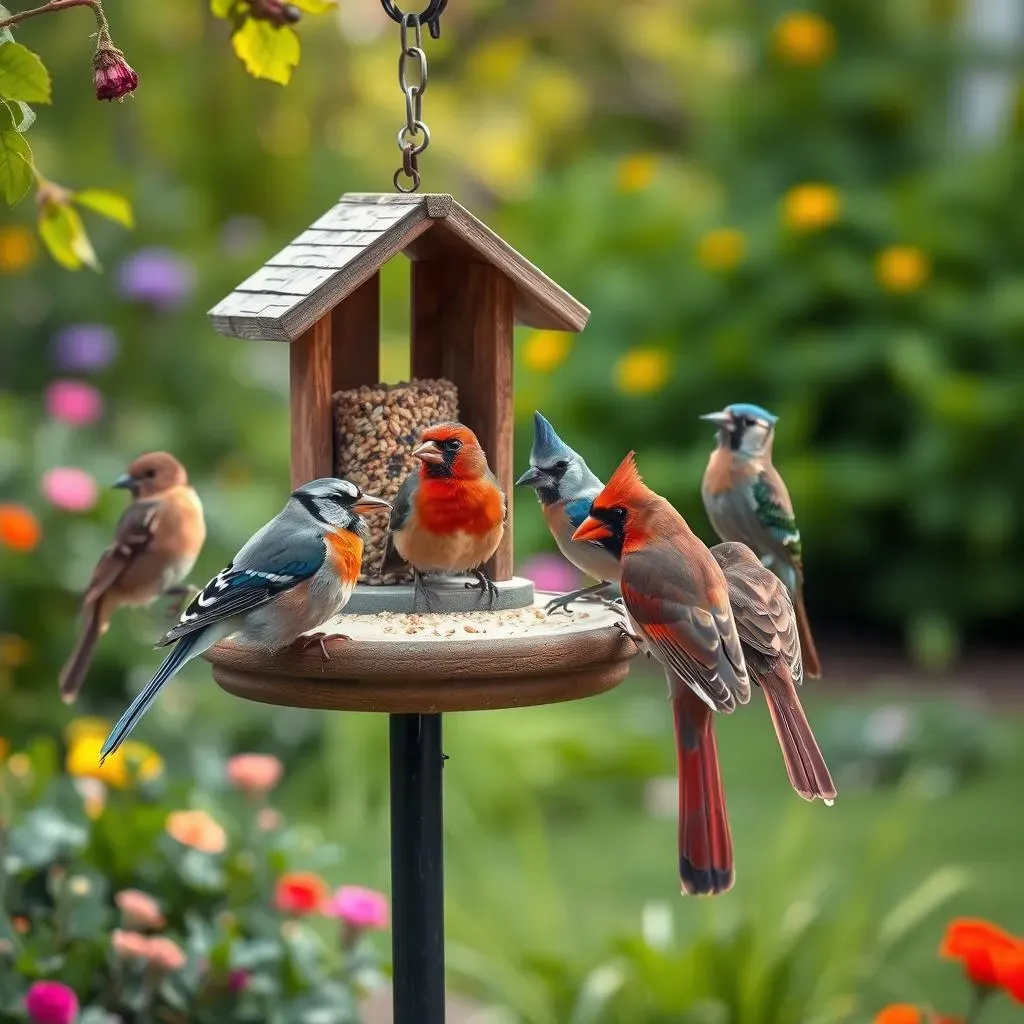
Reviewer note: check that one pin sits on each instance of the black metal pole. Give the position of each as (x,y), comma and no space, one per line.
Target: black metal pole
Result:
(417,869)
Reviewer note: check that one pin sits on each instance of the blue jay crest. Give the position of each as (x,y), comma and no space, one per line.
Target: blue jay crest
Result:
(548,447)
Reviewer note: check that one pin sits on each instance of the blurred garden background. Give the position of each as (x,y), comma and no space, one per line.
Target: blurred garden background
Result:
(815,207)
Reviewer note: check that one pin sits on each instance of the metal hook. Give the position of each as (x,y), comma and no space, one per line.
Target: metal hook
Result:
(431,17)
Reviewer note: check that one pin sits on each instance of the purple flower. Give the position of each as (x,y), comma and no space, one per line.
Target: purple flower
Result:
(84,347)
(158,277)
(550,573)
(50,1002)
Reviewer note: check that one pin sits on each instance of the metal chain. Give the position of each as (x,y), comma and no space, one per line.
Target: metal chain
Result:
(414,135)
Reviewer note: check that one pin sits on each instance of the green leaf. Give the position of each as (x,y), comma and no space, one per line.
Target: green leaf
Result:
(6,117)
(28,116)
(15,165)
(23,76)
(106,204)
(63,233)
(266,51)
(315,6)
(222,8)
(5,33)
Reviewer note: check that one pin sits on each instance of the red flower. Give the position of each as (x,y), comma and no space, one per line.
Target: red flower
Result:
(899,1013)
(975,943)
(1009,970)
(112,76)
(300,892)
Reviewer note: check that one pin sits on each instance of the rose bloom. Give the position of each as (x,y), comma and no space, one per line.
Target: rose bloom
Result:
(139,909)
(129,945)
(360,907)
(50,1002)
(198,830)
(300,892)
(165,954)
(254,773)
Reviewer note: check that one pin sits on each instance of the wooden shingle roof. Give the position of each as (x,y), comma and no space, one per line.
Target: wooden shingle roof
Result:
(354,239)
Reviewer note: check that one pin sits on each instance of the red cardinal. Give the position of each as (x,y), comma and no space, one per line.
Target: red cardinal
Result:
(677,599)
(450,517)
(767,625)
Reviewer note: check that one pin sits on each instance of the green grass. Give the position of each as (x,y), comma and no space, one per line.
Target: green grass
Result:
(583,871)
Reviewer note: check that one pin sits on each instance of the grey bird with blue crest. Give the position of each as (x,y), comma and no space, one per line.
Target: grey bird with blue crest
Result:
(566,489)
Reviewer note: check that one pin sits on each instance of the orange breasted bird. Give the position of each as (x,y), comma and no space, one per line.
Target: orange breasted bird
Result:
(293,574)
(767,625)
(156,543)
(747,501)
(450,516)
(677,602)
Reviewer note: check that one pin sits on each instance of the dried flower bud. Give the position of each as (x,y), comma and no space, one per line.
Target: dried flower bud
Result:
(113,77)
(291,13)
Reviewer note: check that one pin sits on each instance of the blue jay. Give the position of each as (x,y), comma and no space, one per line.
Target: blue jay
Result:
(295,573)
(566,489)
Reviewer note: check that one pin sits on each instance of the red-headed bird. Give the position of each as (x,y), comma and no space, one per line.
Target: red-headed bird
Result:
(746,500)
(767,626)
(677,600)
(156,543)
(450,516)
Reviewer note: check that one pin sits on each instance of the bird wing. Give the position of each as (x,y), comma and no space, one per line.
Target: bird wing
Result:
(274,561)
(763,610)
(492,479)
(775,512)
(666,594)
(132,537)
(401,509)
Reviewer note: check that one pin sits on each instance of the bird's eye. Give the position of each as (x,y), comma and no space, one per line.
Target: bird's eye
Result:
(453,444)
(561,466)
(749,421)
(150,473)
(618,514)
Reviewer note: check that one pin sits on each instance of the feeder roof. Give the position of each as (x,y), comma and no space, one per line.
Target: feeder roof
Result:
(354,239)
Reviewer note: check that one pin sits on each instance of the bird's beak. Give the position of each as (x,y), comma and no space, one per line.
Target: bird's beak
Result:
(531,478)
(369,502)
(125,481)
(720,419)
(428,452)
(591,529)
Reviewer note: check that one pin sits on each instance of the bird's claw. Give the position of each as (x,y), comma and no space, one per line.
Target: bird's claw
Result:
(485,585)
(627,633)
(319,639)
(560,604)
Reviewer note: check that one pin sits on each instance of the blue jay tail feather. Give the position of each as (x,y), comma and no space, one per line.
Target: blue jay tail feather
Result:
(705,842)
(72,675)
(183,651)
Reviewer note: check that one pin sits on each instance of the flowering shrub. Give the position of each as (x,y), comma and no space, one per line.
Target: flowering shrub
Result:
(130,895)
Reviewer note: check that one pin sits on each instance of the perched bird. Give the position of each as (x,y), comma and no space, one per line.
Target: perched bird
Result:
(566,489)
(677,601)
(156,543)
(293,574)
(747,501)
(450,516)
(767,625)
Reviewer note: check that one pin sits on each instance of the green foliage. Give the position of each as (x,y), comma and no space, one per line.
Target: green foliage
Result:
(23,76)
(61,228)
(63,867)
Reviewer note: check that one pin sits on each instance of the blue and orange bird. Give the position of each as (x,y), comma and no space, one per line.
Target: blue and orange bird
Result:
(292,575)
(449,517)
(766,621)
(566,488)
(747,501)
(156,543)
(677,603)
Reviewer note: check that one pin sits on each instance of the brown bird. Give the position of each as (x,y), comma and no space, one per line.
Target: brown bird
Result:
(767,625)
(156,543)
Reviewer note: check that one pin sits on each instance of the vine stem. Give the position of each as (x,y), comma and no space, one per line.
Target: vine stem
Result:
(59,5)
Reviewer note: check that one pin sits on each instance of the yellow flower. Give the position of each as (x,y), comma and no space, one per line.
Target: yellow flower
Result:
(642,370)
(86,726)
(810,207)
(902,268)
(722,249)
(18,249)
(19,766)
(133,762)
(546,350)
(801,37)
(635,173)
(198,830)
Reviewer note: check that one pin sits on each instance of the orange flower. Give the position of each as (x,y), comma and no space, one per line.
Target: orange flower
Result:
(802,37)
(899,1013)
(1009,970)
(198,830)
(300,892)
(254,773)
(975,942)
(19,528)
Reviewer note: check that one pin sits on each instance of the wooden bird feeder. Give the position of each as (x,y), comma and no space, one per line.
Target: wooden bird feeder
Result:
(321,295)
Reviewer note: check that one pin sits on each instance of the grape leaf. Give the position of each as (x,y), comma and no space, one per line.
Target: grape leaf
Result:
(266,51)
(23,76)
(63,233)
(222,8)
(15,165)
(315,6)
(106,204)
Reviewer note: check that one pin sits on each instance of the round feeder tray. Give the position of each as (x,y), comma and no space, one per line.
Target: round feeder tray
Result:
(426,663)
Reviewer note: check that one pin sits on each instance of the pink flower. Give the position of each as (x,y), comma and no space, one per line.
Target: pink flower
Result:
(268,819)
(112,76)
(254,773)
(139,909)
(70,489)
(50,1002)
(238,980)
(74,402)
(166,954)
(550,573)
(129,945)
(360,908)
